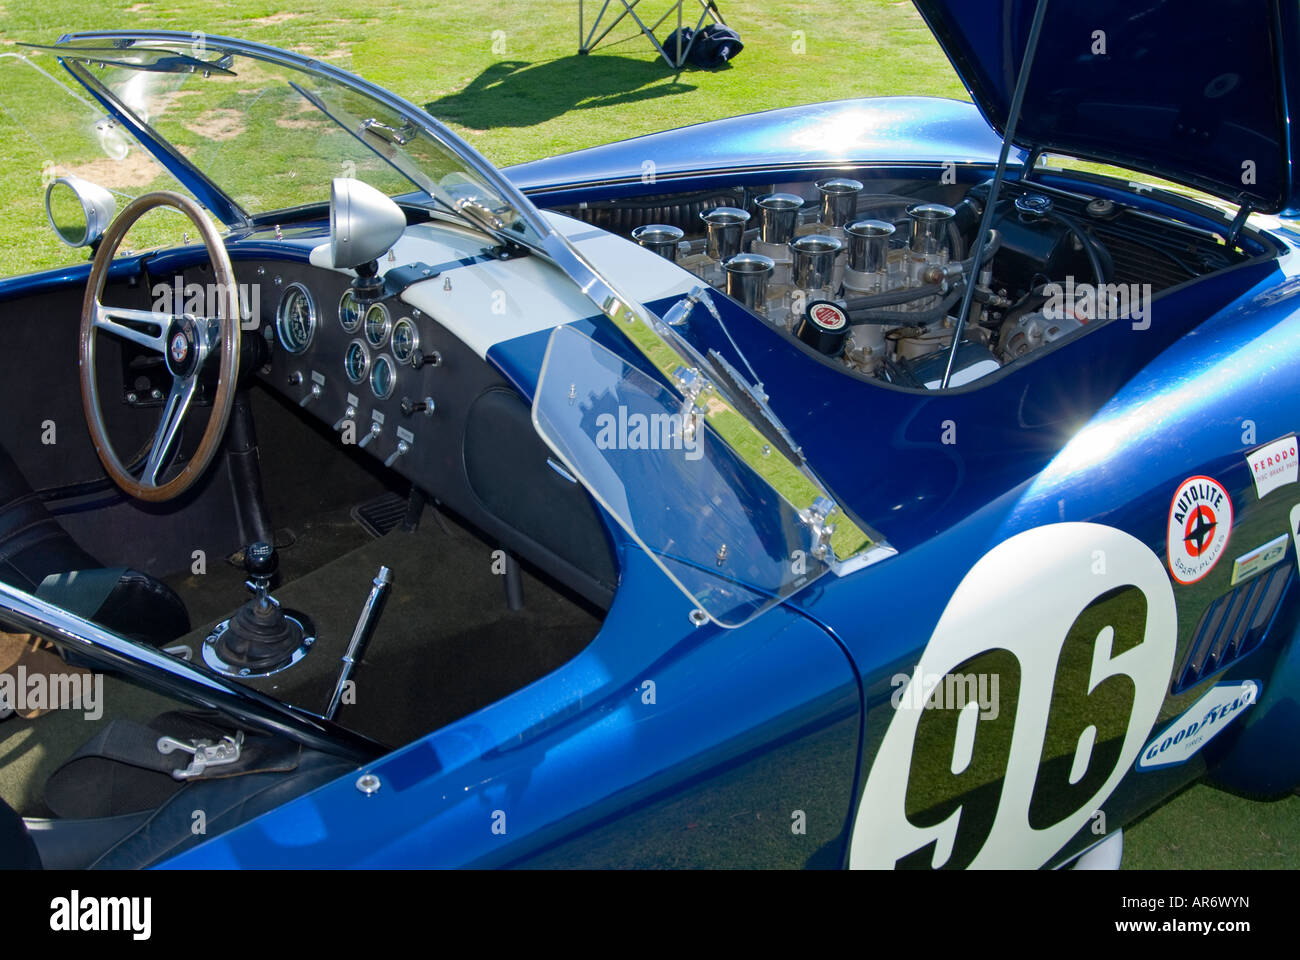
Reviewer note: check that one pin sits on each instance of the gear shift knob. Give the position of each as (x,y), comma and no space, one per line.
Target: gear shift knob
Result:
(260,560)
(260,564)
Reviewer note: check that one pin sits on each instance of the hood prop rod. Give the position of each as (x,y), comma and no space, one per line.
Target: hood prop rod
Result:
(1013,118)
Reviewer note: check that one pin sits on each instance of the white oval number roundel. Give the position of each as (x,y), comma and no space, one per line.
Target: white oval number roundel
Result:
(1073,627)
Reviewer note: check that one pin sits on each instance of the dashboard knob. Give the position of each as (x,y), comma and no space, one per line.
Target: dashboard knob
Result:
(314,394)
(375,431)
(410,407)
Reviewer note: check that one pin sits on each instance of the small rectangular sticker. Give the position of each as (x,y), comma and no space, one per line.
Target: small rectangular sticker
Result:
(1259,559)
(1274,465)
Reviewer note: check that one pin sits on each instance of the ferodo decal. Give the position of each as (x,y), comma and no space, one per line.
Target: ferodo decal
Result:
(1204,720)
(1081,672)
(1274,465)
(1200,522)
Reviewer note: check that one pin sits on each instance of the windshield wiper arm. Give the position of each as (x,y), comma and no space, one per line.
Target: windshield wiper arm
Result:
(172,63)
(394,136)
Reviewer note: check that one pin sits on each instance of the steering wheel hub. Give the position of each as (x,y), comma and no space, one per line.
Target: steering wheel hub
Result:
(184,347)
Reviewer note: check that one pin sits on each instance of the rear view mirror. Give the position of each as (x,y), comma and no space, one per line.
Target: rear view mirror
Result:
(78,210)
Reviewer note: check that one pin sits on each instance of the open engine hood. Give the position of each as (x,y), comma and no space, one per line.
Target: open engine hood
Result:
(1194,91)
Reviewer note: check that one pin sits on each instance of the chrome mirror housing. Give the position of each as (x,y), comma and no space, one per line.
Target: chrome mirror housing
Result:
(364,223)
(78,210)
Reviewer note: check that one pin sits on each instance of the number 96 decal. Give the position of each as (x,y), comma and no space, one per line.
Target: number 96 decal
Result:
(1075,624)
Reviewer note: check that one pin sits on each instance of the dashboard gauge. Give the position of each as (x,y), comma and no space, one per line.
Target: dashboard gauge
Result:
(383,378)
(295,319)
(349,311)
(406,340)
(377,325)
(356,361)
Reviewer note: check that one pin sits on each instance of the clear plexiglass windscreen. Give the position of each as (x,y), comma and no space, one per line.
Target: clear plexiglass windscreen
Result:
(272,136)
(729,541)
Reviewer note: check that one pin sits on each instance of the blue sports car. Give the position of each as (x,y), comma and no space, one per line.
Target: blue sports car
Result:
(849,485)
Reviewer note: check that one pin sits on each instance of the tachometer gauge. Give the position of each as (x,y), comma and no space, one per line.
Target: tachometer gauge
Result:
(406,339)
(377,325)
(349,311)
(356,361)
(383,378)
(295,319)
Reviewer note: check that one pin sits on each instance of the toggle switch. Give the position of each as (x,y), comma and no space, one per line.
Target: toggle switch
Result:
(402,448)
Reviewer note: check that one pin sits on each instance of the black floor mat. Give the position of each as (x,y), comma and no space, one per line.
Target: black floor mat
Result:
(381,514)
(446,643)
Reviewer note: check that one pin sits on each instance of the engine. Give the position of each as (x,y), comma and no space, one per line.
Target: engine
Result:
(874,280)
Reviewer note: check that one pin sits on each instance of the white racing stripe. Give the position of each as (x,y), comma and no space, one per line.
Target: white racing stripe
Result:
(495,301)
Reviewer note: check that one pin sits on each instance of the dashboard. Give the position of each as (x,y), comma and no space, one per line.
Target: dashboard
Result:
(394,382)
(376,372)
(406,378)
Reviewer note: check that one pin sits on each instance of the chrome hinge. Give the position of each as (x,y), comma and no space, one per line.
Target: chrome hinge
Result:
(814,519)
(680,311)
(203,753)
(693,384)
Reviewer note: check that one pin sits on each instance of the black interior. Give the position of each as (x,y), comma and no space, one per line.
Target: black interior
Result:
(456,634)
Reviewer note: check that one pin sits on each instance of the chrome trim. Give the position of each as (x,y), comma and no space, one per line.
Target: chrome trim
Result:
(311,312)
(356,325)
(365,325)
(415,339)
(97,207)
(382,359)
(365,370)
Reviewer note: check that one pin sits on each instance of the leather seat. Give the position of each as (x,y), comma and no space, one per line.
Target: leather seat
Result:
(38,556)
(17,849)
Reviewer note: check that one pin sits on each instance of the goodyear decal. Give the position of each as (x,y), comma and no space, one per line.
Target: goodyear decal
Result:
(1203,721)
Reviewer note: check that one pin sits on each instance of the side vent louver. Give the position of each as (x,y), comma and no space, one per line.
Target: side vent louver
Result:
(1232,626)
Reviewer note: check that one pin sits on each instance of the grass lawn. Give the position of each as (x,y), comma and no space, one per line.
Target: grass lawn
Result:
(505,74)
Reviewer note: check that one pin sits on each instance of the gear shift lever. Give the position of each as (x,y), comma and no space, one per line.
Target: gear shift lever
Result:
(260,638)
(261,563)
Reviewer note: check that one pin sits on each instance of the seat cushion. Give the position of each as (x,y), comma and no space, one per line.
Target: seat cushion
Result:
(37,555)
(126,601)
(17,850)
(32,544)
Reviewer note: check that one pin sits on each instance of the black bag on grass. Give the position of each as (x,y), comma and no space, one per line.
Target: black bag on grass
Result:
(715,44)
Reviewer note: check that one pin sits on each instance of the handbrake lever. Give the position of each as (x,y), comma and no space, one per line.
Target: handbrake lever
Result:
(361,634)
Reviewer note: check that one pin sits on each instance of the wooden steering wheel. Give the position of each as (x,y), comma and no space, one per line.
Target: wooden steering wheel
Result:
(186,343)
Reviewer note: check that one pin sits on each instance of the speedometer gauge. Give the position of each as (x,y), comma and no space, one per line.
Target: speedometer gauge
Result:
(405,340)
(377,325)
(383,378)
(349,311)
(295,319)
(356,361)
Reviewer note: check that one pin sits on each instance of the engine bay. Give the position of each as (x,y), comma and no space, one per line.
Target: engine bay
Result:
(871,274)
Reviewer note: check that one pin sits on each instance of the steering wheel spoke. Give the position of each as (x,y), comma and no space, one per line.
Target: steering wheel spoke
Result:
(109,319)
(176,407)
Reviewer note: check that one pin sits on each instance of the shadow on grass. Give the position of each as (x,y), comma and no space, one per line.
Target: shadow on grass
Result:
(517,93)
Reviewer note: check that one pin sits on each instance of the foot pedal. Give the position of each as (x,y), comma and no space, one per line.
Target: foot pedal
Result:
(380,515)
